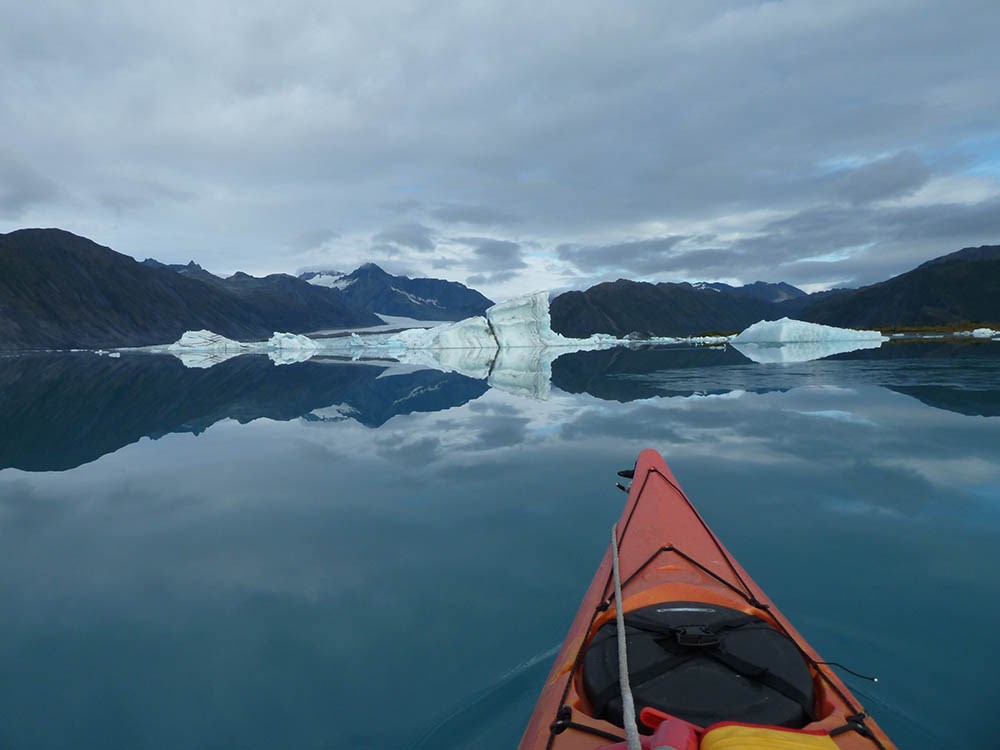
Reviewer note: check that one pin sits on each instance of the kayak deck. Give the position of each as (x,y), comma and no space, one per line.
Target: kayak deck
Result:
(669,556)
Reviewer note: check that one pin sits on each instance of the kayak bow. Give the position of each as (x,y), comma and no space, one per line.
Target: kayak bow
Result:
(712,662)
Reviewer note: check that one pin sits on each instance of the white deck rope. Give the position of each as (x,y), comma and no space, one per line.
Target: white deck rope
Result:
(628,703)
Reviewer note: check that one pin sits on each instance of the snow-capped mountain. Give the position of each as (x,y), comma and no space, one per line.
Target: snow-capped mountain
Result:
(762,290)
(371,288)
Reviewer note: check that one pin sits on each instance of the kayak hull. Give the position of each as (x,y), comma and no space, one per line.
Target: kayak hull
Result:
(669,554)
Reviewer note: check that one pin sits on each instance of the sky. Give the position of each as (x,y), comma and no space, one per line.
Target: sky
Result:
(513,146)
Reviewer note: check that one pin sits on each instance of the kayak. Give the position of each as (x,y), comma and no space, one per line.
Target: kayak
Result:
(711,661)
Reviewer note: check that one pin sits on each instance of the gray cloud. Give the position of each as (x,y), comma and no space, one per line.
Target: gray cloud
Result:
(496,261)
(495,255)
(608,128)
(890,177)
(469,214)
(22,186)
(641,257)
(410,235)
(852,244)
(497,277)
(312,238)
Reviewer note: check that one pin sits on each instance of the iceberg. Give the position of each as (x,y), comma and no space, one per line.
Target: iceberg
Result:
(289,348)
(980,333)
(471,333)
(513,346)
(788,331)
(787,340)
(203,348)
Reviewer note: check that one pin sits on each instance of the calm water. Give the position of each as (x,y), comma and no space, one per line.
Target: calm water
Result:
(328,555)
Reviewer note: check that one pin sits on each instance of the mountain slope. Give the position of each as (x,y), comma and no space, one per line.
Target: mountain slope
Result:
(762,290)
(371,288)
(58,290)
(622,307)
(962,287)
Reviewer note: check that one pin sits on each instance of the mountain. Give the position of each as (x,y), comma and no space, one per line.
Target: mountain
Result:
(192,270)
(371,288)
(622,307)
(962,287)
(59,290)
(762,290)
(287,301)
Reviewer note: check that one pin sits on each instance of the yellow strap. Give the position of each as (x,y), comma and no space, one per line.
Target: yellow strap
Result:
(763,738)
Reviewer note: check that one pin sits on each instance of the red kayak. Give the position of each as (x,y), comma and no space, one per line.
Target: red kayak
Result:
(712,662)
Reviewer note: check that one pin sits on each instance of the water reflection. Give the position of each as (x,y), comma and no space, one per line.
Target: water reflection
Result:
(288,582)
(60,411)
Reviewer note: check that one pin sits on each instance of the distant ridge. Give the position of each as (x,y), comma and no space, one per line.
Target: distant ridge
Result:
(962,287)
(623,307)
(958,288)
(372,288)
(762,290)
(59,290)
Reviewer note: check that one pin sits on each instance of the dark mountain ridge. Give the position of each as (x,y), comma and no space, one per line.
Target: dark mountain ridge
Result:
(958,288)
(961,287)
(762,290)
(59,290)
(372,288)
(665,309)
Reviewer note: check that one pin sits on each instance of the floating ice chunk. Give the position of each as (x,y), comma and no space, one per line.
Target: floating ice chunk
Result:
(786,331)
(788,340)
(524,322)
(291,341)
(980,333)
(471,333)
(289,348)
(205,341)
(203,348)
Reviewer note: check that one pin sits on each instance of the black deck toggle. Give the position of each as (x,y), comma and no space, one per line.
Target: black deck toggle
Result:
(696,636)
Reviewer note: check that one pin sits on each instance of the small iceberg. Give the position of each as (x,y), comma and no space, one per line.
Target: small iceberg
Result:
(202,349)
(788,340)
(980,333)
(289,348)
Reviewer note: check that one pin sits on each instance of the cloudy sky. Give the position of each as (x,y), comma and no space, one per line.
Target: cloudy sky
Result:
(511,145)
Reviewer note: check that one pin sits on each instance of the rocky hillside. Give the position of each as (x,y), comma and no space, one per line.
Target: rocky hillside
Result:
(59,290)
(623,307)
(960,288)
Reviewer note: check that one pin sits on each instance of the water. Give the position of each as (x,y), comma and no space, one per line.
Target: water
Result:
(323,556)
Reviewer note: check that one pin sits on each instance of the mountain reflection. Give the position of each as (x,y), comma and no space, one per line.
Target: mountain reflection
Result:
(58,411)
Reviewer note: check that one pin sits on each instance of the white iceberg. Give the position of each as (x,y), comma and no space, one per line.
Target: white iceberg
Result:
(204,348)
(980,333)
(471,333)
(787,340)
(525,322)
(788,331)
(289,348)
